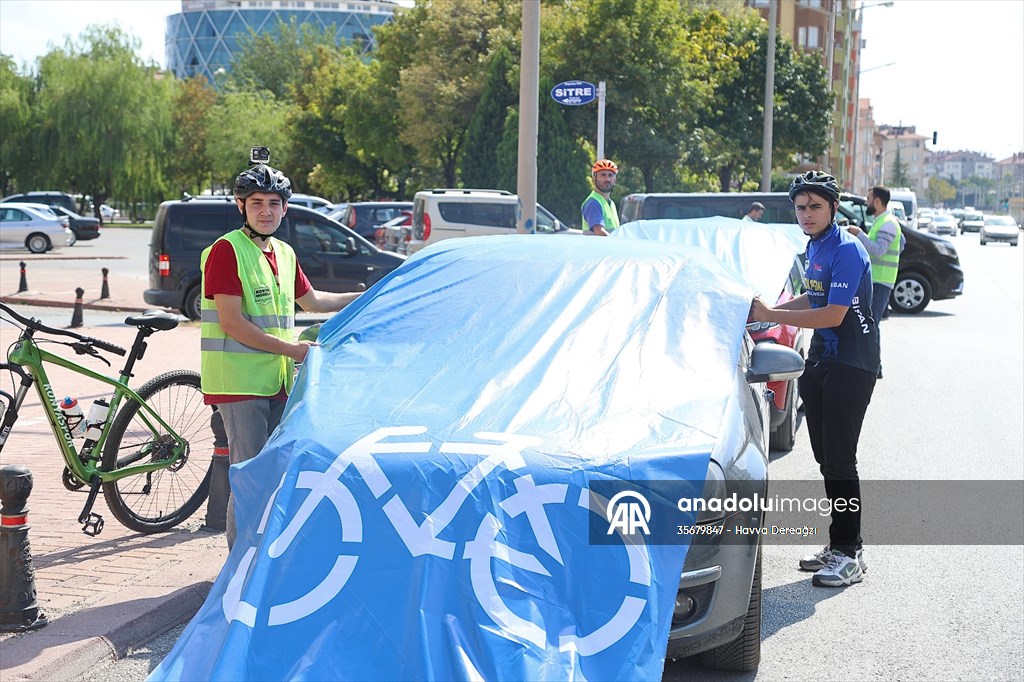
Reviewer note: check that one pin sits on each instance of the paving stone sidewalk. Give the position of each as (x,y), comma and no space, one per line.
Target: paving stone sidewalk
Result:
(102,595)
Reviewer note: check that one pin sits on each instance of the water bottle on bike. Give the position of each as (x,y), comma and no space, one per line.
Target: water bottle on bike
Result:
(73,415)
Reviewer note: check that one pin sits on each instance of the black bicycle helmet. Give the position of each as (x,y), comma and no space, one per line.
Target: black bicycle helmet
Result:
(262,178)
(818,182)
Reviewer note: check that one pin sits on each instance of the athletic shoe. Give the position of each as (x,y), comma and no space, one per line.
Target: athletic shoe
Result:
(816,562)
(841,570)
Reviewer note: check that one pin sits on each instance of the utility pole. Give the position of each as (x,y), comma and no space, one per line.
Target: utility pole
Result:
(769,100)
(529,78)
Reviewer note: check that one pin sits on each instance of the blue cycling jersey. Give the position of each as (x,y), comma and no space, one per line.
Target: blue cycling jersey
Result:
(839,272)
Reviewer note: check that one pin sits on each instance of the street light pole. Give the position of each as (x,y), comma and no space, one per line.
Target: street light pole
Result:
(526,179)
(769,100)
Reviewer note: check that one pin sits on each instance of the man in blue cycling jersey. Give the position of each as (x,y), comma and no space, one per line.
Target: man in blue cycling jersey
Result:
(842,364)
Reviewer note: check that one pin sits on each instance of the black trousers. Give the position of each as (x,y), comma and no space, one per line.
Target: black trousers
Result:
(835,399)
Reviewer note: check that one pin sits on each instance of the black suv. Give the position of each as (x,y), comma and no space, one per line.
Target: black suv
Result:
(49,198)
(366,216)
(929,265)
(333,257)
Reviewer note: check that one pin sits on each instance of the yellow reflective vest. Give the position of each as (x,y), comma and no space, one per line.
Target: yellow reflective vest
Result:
(608,212)
(885,267)
(229,367)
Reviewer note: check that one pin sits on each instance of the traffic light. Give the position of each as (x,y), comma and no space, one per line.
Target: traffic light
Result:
(935,137)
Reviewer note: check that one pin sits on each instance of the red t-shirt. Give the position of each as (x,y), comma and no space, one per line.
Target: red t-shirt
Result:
(221,277)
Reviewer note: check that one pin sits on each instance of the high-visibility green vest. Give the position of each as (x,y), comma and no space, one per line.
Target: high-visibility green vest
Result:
(229,367)
(885,267)
(608,212)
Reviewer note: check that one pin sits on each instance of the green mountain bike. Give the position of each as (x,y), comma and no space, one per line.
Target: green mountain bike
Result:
(151,455)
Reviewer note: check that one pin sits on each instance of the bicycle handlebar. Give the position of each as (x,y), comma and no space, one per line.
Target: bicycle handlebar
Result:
(39,326)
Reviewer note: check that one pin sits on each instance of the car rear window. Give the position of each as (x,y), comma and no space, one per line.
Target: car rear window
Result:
(487,214)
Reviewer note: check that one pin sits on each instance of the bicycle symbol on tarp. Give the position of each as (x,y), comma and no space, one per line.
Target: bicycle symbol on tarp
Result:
(528,502)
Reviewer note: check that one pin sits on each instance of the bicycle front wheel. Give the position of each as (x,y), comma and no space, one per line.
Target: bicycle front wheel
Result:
(159,500)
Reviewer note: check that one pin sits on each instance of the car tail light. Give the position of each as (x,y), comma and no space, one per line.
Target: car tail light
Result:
(426,227)
(164,265)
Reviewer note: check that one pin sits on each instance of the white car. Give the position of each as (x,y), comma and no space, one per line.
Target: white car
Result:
(33,227)
(999,228)
(108,213)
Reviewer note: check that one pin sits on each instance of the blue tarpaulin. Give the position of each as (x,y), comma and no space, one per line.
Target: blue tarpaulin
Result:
(422,511)
(761,253)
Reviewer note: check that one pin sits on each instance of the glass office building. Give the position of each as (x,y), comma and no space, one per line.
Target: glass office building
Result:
(205,36)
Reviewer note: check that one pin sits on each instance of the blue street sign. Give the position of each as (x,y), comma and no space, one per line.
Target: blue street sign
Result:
(574,93)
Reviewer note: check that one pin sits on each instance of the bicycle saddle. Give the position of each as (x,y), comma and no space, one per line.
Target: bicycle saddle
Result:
(154,319)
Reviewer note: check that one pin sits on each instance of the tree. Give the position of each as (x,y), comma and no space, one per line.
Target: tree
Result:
(898,172)
(561,160)
(258,121)
(940,191)
(480,160)
(15,125)
(433,56)
(272,60)
(189,166)
(103,118)
(640,49)
(730,129)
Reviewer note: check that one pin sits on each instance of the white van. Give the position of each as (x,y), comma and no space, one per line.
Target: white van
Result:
(908,198)
(446,213)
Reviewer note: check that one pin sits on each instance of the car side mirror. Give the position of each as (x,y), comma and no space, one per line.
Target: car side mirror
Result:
(772,362)
(350,246)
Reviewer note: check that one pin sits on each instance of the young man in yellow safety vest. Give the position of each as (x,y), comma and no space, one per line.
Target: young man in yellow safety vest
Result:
(599,214)
(883,242)
(251,283)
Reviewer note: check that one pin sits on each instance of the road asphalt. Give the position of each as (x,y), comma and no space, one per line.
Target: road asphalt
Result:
(107,594)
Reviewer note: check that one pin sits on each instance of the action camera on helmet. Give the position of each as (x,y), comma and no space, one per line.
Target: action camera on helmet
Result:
(259,155)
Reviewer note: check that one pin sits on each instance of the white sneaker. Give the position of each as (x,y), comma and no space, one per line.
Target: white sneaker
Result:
(841,570)
(817,561)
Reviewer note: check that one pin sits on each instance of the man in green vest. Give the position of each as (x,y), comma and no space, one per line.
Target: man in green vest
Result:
(599,214)
(251,283)
(883,242)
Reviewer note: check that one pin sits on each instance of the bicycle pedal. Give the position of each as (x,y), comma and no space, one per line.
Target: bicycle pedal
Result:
(93,525)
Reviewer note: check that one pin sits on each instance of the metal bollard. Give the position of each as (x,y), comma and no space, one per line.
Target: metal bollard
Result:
(105,289)
(22,283)
(76,314)
(217,503)
(18,608)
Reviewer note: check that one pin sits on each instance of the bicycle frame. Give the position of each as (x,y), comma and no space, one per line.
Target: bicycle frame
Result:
(83,465)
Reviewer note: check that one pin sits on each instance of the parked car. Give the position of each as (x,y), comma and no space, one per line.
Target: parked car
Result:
(929,265)
(444,450)
(440,214)
(972,221)
(400,226)
(49,198)
(942,224)
(769,258)
(896,208)
(999,228)
(109,213)
(84,228)
(308,200)
(364,217)
(333,257)
(35,228)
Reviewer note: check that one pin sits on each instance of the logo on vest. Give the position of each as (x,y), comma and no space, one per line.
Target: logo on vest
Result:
(262,295)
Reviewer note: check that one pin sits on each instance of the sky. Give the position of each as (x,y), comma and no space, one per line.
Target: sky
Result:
(955,67)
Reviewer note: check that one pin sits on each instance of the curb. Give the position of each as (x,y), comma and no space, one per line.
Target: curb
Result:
(70,646)
(46,303)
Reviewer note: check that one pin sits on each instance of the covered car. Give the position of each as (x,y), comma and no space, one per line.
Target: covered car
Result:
(427,507)
(769,257)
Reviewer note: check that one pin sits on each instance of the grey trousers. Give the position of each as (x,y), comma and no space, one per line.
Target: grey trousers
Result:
(248,424)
